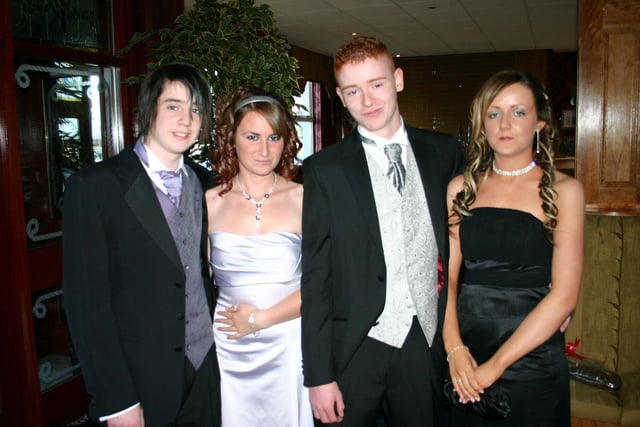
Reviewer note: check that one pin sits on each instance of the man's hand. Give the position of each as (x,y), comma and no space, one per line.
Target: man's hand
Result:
(326,401)
(565,324)
(132,418)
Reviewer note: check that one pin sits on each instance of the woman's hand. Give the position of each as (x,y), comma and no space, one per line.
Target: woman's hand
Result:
(488,373)
(462,367)
(236,318)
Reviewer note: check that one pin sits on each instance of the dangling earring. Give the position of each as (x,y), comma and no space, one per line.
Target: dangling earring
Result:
(537,141)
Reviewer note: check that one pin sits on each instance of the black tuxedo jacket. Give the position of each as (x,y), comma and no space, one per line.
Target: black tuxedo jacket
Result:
(343,266)
(124,288)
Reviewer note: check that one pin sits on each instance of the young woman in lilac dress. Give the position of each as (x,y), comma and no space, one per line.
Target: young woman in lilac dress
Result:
(255,216)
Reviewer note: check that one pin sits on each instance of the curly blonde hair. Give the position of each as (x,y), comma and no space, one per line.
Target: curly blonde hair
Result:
(229,115)
(480,155)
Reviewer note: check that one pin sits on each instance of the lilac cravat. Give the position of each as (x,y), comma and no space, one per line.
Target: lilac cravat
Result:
(173,184)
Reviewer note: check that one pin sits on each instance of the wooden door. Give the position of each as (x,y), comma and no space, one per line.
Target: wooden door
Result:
(66,114)
(51,57)
(608,123)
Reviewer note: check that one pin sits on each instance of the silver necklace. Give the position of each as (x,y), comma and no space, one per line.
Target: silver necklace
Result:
(259,204)
(516,172)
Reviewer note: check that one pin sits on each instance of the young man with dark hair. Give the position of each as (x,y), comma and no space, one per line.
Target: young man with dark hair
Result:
(138,291)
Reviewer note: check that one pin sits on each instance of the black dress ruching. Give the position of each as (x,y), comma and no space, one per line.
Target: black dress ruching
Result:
(507,271)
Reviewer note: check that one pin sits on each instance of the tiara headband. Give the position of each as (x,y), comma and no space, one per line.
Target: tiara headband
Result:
(254,99)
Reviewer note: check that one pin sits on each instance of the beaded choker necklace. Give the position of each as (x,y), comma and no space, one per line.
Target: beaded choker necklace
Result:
(516,172)
(259,204)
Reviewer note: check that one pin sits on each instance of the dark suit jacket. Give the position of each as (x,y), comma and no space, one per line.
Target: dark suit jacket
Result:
(124,288)
(343,266)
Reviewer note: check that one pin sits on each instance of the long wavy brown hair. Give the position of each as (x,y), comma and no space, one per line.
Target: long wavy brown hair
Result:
(480,155)
(224,159)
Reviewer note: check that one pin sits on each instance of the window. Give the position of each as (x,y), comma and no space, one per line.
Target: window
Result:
(303,111)
(81,23)
(315,119)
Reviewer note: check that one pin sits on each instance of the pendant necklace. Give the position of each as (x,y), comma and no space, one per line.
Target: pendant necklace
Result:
(516,172)
(259,204)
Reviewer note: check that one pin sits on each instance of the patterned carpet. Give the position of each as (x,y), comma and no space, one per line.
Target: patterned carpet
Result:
(83,422)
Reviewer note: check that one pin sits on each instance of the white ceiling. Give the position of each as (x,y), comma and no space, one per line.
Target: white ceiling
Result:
(430,27)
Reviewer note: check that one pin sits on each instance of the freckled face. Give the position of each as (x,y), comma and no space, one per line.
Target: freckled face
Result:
(258,147)
(511,121)
(176,125)
(369,91)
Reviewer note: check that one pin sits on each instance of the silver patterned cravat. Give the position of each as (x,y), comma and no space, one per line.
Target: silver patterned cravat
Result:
(396,171)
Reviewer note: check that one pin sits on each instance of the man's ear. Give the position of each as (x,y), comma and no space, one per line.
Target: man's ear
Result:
(398,76)
(339,92)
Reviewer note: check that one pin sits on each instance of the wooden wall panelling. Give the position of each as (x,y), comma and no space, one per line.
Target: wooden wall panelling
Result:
(315,67)
(138,16)
(608,154)
(438,89)
(561,85)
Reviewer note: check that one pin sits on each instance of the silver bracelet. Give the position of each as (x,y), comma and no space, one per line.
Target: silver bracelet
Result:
(456,348)
(252,324)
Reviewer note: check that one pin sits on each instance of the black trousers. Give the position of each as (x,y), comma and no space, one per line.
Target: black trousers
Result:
(387,386)
(200,394)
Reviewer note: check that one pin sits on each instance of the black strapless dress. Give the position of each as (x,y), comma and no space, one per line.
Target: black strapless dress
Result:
(507,272)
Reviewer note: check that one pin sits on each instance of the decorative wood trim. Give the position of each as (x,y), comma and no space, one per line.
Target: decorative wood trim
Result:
(35,51)
(19,384)
(582,422)
(607,149)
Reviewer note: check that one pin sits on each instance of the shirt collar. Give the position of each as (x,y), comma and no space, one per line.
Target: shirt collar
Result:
(155,164)
(400,137)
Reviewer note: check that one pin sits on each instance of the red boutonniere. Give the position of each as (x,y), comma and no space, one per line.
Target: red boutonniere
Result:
(440,274)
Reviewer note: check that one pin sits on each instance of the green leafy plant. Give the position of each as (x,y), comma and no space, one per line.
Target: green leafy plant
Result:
(234,41)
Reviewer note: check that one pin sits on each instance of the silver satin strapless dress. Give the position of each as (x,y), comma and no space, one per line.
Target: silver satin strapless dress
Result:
(260,377)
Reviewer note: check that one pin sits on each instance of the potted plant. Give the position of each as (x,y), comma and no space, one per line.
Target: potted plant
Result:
(234,41)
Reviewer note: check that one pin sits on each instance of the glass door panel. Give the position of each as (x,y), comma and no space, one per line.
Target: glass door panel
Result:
(68,119)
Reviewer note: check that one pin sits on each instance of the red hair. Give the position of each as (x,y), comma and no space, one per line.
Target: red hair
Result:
(359,49)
